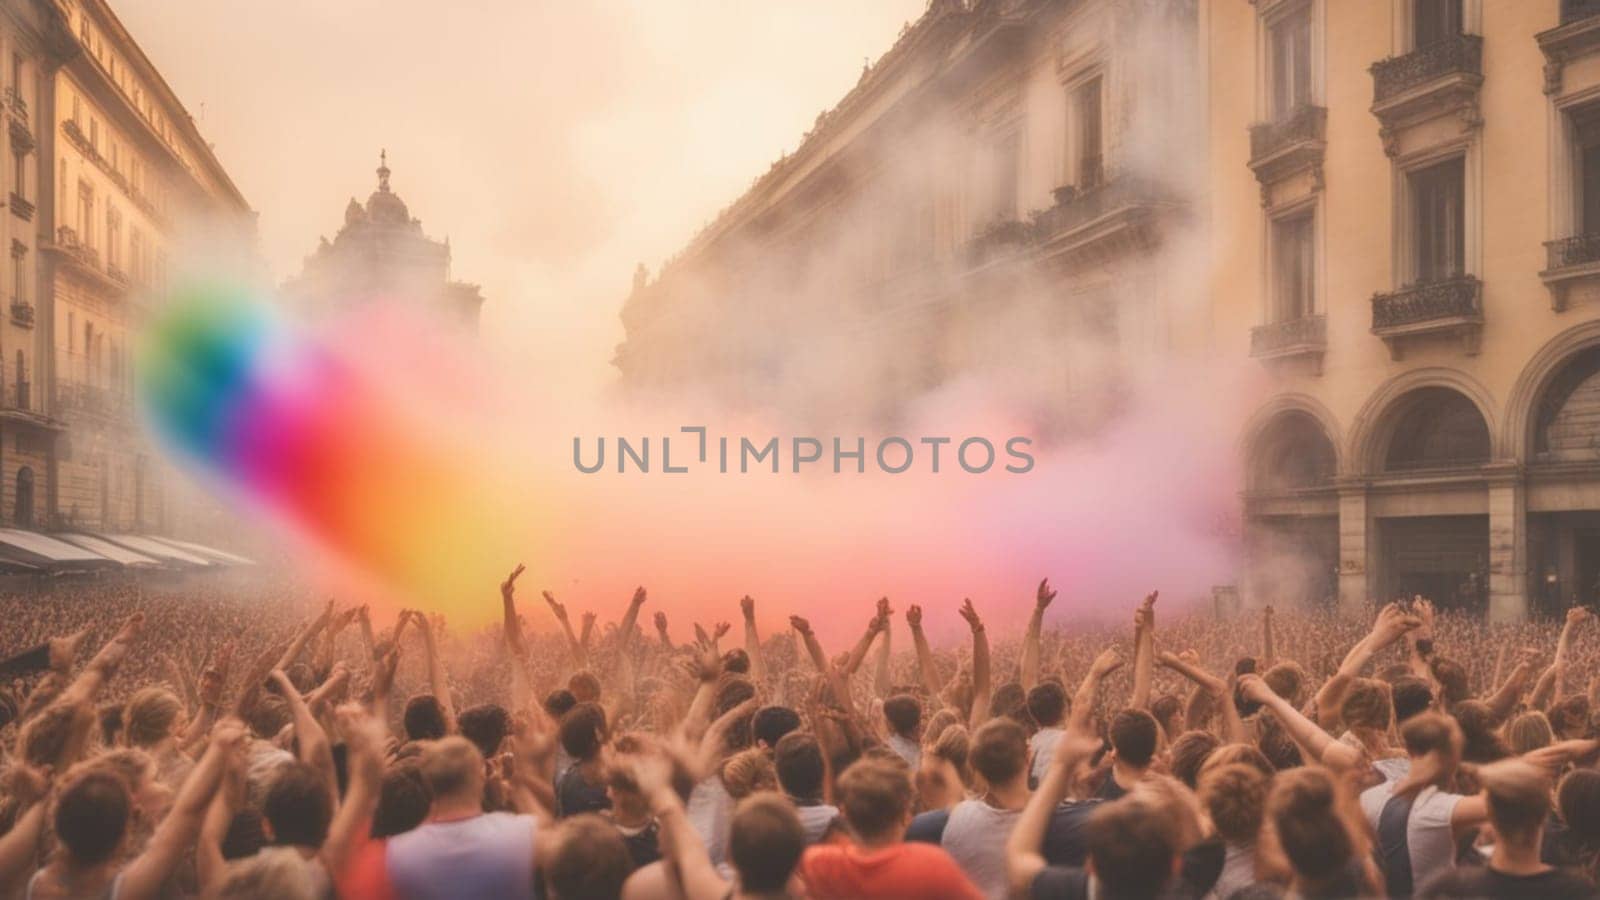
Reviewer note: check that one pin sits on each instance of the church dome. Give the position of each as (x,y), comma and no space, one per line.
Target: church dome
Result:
(384,205)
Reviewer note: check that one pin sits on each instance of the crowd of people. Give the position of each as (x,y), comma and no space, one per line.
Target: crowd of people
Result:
(257,742)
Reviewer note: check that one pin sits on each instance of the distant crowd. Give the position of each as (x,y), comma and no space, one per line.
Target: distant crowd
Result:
(255,741)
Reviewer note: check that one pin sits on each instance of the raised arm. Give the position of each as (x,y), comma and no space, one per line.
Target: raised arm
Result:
(510,630)
(629,618)
(364,736)
(438,682)
(1504,700)
(925,671)
(1322,746)
(1188,666)
(1083,701)
(982,683)
(1392,624)
(661,631)
(680,843)
(1144,649)
(210,867)
(1269,650)
(315,750)
(1030,640)
(752,640)
(837,684)
(1025,848)
(579,658)
(19,847)
(144,877)
(881,683)
(858,653)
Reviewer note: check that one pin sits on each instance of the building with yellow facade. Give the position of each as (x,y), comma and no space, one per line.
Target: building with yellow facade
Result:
(1405,231)
(105,170)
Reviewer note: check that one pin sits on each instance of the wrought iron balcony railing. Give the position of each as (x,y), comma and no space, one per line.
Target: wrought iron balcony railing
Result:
(22,312)
(1074,207)
(1578,250)
(1574,10)
(1445,301)
(1276,338)
(20,206)
(1303,124)
(1462,53)
(15,103)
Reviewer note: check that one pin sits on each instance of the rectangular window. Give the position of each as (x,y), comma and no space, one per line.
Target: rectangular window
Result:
(1438,197)
(113,235)
(1586,157)
(86,213)
(1294,266)
(1434,21)
(19,173)
(1087,106)
(16,73)
(1290,48)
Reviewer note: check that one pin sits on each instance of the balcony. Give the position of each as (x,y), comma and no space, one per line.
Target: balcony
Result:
(1114,217)
(91,400)
(1569,261)
(1441,78)
(22,312)
(82,259)
(1291,143)
(1449,307)
(997,241)
(20,207)
(1576,37)
(1305,337)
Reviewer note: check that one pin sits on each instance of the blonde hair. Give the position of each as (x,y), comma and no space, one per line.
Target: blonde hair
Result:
(149,716)
(747,772)
(1529,732)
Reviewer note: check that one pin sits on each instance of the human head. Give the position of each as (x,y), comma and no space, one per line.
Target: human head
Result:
(1248,754)
(747,772)
(1366,706)
(904,715)
(1133,849)
(1454,686)
(403,800)
(875,797)
(424,718)
(1519,800)
(1288,681)
(1529,732)
(1010,701)
(771,723)
(1410,696)
(297,806)
(765,843)
(1578,800)
(1235,796)
(585,687)
(151,716)
(452,768)
(1480,742)
(91,816)
(1302,807)
(1168,712)
(588,860)
(558,702)
(1569,719)
(940,720)
(583,731)
(1432,733)
(1189,753)
(1277,746)
(736,661)
(485,725)
(731,691)
(150,796)
(1047,703)
(1133,737)
(999,752)
(798,761)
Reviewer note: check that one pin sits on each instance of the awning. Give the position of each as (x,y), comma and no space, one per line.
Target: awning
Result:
(48,553)
(156,550)
(220,557)
(109,550)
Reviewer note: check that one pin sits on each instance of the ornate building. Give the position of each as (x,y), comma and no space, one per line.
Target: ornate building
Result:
(993,174)
(381,253)
(105,166)
(1406,233)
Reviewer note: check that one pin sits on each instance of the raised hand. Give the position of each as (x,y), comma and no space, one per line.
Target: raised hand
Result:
(508,588)
(914,616)
(970,613)
(1107,662)
(1045,595)
(747,605)
(638,596)
(721,629)
(588,621)
(1254,687)
(661,622)
(1393,622)
(800,624)
(555,607)
(64,650)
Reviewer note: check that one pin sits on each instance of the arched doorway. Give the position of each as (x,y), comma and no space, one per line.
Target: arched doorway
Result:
(1292,531)
(1434,531)
(23,514)
(1564,467)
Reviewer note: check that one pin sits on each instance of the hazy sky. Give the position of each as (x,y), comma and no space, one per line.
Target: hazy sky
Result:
(555,143)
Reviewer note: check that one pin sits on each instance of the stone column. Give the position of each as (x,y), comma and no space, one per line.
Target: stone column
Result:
(1355,535)
(1508,544)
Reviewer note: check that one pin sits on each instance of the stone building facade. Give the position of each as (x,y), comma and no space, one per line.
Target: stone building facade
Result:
(104,165)
(1406,233)
(992,174)
(381,254)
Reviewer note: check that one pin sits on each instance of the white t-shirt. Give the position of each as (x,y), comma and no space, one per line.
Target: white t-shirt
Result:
(814,820)
(1429,836)
(710,811)
(907,749)
(975,837)
(1043,744)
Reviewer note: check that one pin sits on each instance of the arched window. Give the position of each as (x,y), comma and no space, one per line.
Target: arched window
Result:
(1567,419)
(24,511)
(1436,428)
(1292,452)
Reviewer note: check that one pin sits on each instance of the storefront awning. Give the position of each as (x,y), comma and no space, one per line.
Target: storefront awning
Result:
(147,546)
(219,557)
(109,550)
(48,553)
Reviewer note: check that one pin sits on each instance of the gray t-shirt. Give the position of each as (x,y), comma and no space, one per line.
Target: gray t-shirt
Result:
(907,749)
(975,837)
(815,819)
(1429,836)
(710,811)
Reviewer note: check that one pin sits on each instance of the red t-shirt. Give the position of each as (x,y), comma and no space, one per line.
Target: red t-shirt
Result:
(906,871)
